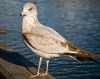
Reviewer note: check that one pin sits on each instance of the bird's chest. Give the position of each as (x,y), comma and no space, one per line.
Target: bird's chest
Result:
(27,25)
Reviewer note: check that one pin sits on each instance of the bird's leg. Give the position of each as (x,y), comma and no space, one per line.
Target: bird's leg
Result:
(39,67)
(47,64)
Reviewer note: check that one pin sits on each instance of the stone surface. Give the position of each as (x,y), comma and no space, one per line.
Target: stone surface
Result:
(15,66)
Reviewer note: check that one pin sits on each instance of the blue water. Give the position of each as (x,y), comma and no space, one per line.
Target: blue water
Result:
(77,20)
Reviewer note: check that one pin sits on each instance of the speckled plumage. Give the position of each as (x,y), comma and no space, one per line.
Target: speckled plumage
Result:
(44,41)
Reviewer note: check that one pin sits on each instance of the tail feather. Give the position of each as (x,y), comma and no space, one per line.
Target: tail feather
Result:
(84,56)
(80,55)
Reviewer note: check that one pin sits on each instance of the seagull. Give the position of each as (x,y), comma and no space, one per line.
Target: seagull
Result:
(46,42)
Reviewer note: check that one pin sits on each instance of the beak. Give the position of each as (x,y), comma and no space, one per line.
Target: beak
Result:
(22,14)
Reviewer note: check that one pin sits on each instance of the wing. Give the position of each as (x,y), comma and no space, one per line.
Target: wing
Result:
(47,40)
(44,44)
(48,32)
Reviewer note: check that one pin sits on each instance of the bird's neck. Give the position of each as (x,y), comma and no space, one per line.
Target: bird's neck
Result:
(29,23)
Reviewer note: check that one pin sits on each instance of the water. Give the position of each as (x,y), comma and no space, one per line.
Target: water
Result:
(76,20)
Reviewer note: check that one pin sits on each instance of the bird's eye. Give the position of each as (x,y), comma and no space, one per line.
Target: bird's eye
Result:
(30,9)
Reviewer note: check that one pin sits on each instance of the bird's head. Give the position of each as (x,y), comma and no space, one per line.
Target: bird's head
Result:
(29,9)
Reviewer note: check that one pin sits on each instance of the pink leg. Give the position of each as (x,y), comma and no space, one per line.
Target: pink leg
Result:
(39,67)
(46,73)
(47,64)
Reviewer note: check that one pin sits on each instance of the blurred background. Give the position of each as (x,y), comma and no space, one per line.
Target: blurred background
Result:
(77,20)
